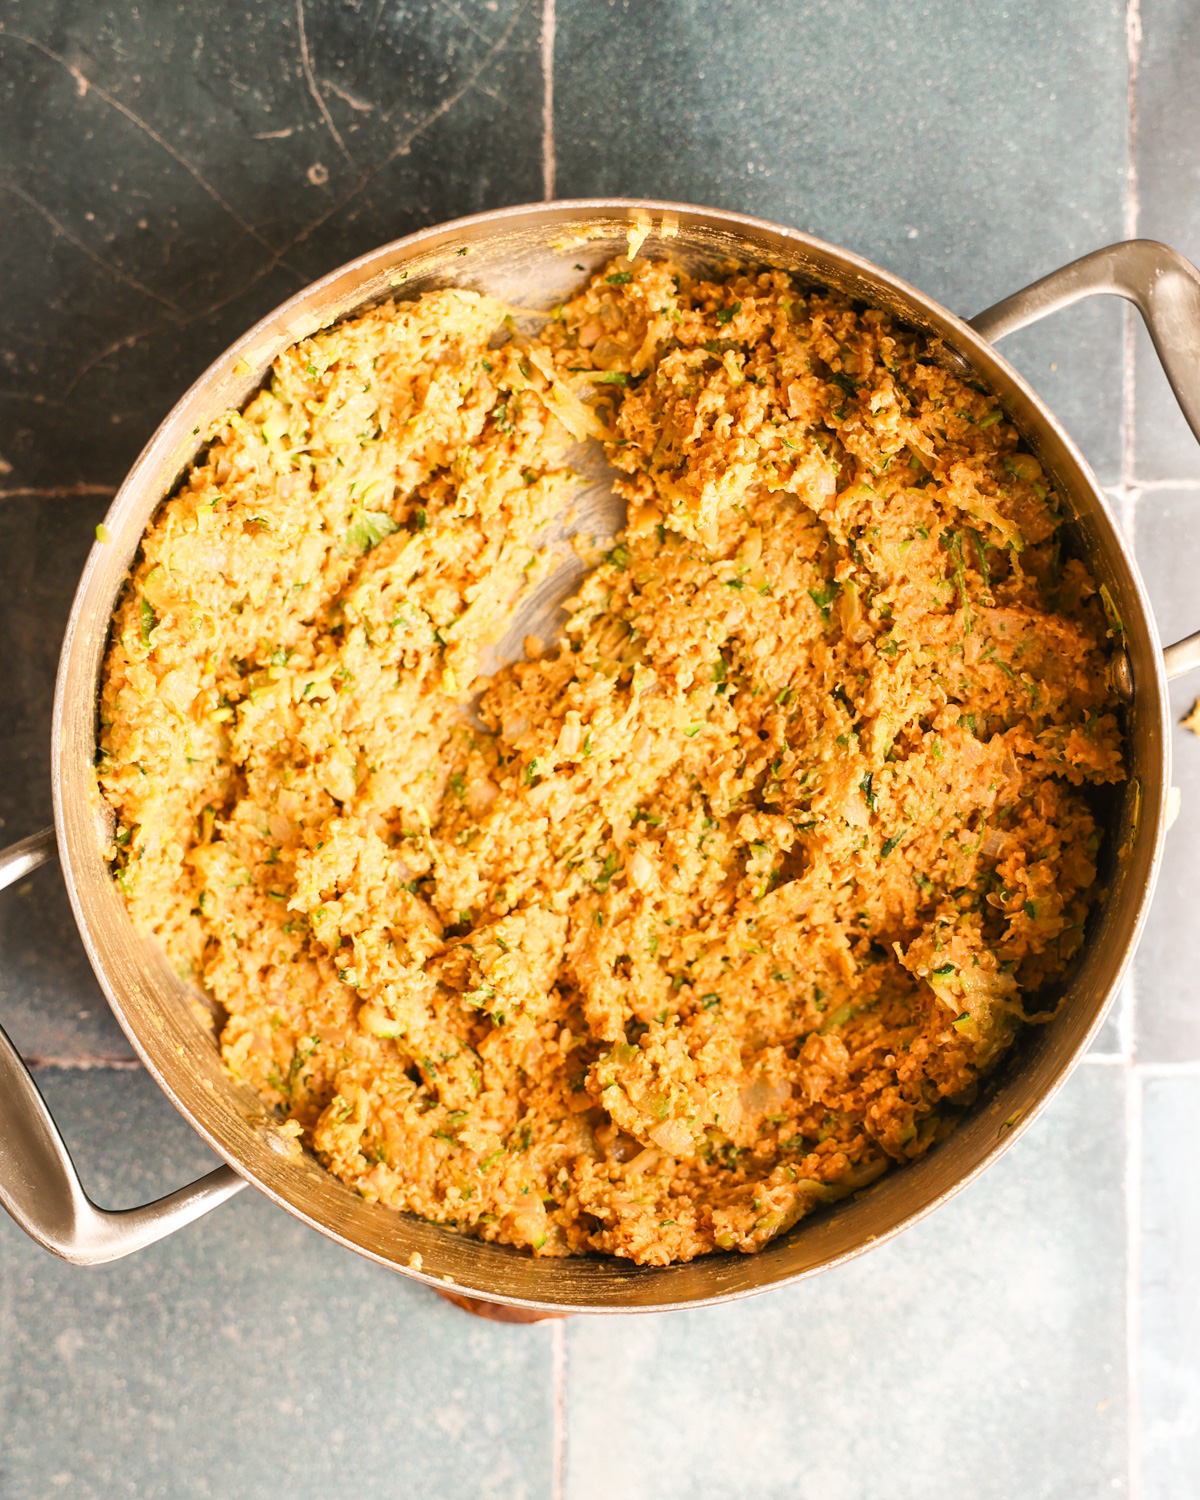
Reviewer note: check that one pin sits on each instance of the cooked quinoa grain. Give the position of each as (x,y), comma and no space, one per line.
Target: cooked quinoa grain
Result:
(694,920)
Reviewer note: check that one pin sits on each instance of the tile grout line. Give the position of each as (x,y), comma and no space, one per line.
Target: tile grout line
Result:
(548,160)
(1133,1275)
(1127,1030)
(558,1366)
(84,1062)
(1133,48)
(1133,41)
(59,492)
(1126,1038)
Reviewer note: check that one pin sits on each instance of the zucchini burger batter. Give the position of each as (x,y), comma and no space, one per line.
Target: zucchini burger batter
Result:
(705,915)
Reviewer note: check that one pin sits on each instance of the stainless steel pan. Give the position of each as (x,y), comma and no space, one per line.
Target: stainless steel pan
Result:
(531,255)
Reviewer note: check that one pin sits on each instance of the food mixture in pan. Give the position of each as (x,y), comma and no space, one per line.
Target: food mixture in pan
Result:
(691,921)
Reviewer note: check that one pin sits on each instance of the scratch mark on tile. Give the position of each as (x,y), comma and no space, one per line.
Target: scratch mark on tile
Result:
(35,398)
(375,24)
(347,98)
(63,232)
(306,63)
(466,20)
(127,341)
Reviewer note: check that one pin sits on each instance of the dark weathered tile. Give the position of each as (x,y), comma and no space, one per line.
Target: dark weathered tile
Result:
(1167,539)
(247,1356)
(1168,165)
(1170,1285)
(980,1354)
(50,1003)
(968,148)
(173,172)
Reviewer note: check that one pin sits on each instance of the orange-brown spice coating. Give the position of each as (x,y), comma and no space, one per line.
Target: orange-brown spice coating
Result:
(735,896)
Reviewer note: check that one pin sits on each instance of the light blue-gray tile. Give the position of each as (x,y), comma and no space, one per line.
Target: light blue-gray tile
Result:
(247,1356)
(1167,542)
(971,149)
(982,1354)
(1113,1035)
(1168,102)
(1170,1280)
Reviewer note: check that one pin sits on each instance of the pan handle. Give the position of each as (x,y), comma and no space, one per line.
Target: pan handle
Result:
(1165,288)
(39,1185)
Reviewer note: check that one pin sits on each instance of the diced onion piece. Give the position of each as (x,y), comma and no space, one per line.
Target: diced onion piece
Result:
(673,1137)
(375,1020)
(643,743)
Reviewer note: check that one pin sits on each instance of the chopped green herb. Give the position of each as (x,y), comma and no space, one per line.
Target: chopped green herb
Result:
(367,530)
(981,552)
(845,382)
(1117,625)
(619,278)
(823,598)
(953,541)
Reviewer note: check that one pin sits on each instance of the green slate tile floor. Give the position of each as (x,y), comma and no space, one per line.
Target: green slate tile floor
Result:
(168,174)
